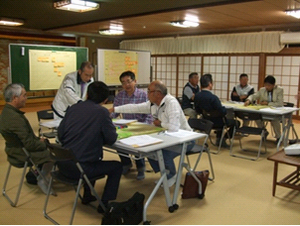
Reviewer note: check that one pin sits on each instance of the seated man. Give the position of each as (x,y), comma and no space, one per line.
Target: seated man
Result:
(85,128)
(241,91)
(271,95)
(188,95)
(131,95)
(13,121)
(207,101)
(168,114)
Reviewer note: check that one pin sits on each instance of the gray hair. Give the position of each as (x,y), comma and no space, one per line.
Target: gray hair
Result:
(13,90)
(159,86)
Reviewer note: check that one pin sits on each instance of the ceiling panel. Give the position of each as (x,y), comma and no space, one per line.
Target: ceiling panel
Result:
(150,18)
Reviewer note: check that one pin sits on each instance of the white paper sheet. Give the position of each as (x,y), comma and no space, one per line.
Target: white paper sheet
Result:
(140,141)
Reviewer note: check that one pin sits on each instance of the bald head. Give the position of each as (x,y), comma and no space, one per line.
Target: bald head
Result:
(159,86)
(156,92)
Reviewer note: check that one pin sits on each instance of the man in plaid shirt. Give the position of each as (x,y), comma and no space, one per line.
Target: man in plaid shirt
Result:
(132,95)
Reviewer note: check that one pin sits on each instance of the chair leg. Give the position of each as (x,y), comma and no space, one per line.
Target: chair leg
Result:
(211,166)
(14,204)
(46,203)
(94,192)
(259,148)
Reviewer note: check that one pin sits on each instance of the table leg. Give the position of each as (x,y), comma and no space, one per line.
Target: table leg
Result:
(275,177)
(162,180)
(179,174)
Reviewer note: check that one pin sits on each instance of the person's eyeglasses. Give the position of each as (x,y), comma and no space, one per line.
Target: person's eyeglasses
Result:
(127,82)
(149,91)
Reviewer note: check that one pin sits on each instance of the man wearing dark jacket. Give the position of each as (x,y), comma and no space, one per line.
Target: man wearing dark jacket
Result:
(86,127)
(207,101)
(13,121)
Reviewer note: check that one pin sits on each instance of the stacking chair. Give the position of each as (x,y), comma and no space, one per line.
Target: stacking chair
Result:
(46,115)
(224,129)
(294,133)
(248,130)
(58,153)
(13,139)
(205,126)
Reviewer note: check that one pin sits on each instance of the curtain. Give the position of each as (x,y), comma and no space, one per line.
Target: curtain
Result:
(258,42)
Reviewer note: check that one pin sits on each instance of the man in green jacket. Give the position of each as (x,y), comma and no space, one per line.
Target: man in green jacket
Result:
(13,121)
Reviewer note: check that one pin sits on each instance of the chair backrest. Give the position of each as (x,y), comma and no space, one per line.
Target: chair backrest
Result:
(248,115)
(59,153)
(12,139)
(202,125)
(45,114)
(288,104)
(212,114)
(179,100)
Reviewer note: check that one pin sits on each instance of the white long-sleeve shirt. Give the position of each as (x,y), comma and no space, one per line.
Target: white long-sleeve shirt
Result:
(169,112)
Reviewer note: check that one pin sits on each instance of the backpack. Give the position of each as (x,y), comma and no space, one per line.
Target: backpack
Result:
(129,212)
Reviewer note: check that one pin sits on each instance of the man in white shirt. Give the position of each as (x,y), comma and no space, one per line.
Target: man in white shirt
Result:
(167,113)
(73,89)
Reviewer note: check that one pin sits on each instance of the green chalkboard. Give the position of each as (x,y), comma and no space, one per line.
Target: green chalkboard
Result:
(19,60)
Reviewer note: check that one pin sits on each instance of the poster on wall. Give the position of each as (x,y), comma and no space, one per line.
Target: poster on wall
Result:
(48,68)
(112,63)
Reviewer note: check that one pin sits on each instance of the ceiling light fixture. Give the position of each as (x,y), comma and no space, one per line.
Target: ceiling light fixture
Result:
(184,23)
(78,6)
(11,22)
(294,13)
(113,30)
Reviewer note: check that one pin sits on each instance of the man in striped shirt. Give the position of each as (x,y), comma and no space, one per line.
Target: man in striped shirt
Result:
(131,95)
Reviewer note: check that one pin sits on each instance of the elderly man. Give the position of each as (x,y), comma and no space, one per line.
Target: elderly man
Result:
(241,91)
(188,95)
(131,95)
(168,114)
(13,121)
(73,89)
(270,95)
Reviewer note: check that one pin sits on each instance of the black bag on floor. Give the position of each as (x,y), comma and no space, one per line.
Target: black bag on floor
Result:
(129,212)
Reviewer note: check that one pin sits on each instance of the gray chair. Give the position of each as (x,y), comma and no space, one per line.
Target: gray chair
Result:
(43,116)
(60,154)
(224,129)
(13,139)
(248,130)
(204,126)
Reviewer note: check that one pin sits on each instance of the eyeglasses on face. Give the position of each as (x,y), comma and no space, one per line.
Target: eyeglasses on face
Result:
(151,91)
(127,82)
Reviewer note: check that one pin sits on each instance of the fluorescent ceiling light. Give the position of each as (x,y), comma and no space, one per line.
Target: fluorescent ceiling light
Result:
(76,5)
(184,23)
(294,13)
(11,22)
(113,30)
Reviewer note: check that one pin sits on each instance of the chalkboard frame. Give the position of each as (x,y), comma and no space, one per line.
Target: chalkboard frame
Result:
(142,55)
(19,60)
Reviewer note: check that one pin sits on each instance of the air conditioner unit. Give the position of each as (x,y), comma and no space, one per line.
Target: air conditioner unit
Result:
(290,38)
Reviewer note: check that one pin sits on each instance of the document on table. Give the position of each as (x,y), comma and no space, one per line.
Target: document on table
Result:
(140,141)
(124,121)
(180,133)
(51,124)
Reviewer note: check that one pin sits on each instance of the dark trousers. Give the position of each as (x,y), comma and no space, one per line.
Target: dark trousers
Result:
(112,169)
(127,161)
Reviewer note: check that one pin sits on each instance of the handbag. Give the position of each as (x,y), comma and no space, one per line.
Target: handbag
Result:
(191,187)
(129,212)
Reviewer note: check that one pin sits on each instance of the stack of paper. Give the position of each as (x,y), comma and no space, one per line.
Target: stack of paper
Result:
(140,141)
(180,133)
(124,121)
